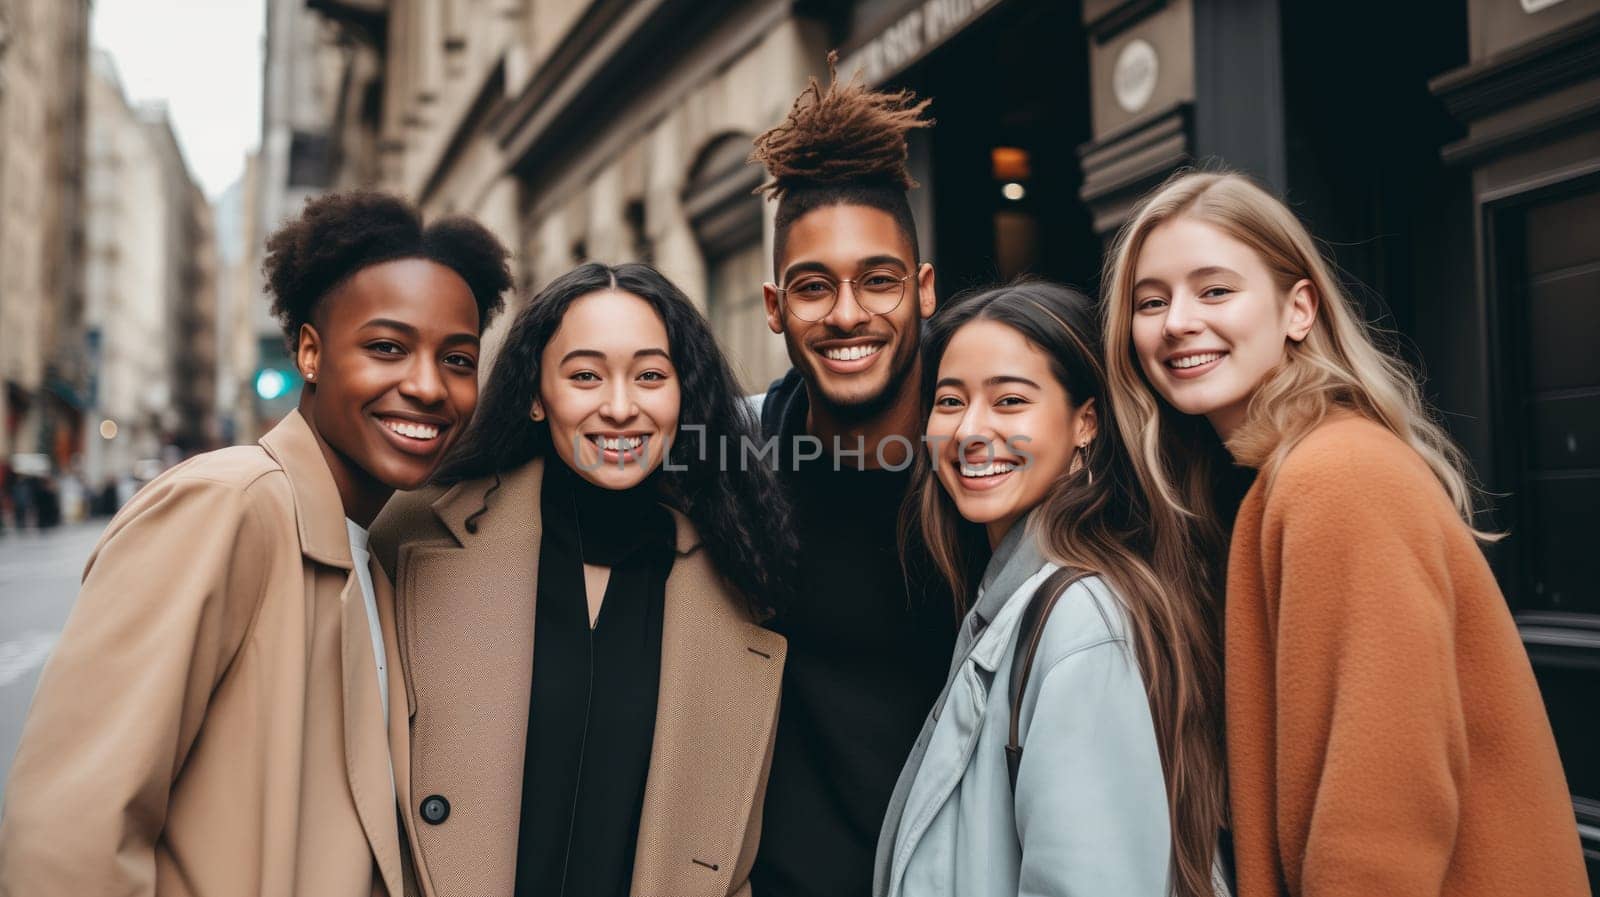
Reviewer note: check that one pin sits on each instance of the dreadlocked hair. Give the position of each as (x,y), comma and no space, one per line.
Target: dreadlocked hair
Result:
(844,134)
(841,145)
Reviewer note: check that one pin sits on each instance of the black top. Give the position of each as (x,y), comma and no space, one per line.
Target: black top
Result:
(592,713)
(868,654)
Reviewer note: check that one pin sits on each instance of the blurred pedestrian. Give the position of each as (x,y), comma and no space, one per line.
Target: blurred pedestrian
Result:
(8,478)
(23,497)
(106,500)
(47,499)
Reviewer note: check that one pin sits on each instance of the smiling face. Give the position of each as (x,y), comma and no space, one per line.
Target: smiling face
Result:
(391,361)
(1003,429)
(855,361)
(1210,322)
(608,389)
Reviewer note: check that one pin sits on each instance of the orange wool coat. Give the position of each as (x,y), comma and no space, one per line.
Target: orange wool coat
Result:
(1385,733)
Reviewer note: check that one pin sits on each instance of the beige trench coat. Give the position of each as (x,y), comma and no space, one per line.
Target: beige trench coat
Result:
(466,613)
(210,722)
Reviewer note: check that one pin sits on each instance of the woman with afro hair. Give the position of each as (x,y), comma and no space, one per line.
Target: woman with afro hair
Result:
(225,713)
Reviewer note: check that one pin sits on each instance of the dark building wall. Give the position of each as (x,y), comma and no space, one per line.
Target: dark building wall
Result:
(1529,98)
(1014,81)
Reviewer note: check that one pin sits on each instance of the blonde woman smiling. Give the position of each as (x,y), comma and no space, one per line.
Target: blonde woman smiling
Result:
(1385,734)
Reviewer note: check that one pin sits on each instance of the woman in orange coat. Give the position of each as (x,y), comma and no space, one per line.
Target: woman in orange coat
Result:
(1384,730)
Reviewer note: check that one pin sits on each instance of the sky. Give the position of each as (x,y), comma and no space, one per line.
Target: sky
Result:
(203,58)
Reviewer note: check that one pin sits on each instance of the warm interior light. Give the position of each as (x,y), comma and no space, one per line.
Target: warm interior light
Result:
(1010,163)
(108,429)
(1013,191)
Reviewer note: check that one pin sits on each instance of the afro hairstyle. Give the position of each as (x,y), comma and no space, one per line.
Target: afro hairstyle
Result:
(338,234)
(841,145)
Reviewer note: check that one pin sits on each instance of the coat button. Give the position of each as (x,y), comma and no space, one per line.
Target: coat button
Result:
(435,809)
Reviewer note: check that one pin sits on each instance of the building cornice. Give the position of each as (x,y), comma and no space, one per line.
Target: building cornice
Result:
(487,104)
(604,54)
(369,18)
(1523,72)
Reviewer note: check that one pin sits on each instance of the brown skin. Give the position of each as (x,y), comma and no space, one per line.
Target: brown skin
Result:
(868,401)
(395,345)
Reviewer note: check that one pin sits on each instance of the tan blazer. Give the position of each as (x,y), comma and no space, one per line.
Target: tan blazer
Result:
(210,722)
(466,609)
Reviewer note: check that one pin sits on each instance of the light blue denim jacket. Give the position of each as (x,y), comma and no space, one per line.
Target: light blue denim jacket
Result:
(1089,815)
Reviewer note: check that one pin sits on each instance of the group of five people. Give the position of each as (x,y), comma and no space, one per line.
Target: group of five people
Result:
(960,606)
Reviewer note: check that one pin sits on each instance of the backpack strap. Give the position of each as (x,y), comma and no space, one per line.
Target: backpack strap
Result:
(1030,631)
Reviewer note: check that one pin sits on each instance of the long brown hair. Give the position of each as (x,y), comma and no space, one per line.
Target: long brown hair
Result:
(1338,366)
(1097,519)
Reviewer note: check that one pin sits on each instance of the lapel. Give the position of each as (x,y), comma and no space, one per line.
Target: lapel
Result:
(366,744)
(465,628)
(1014,560)
(318,510)
(715,716)
(320,520)
(399,734)
(960,720)
(466,615)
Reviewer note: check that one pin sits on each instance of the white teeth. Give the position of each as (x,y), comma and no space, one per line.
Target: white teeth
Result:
(990,469)
(1193,361)
(852,353)
(414,431)
(622,444)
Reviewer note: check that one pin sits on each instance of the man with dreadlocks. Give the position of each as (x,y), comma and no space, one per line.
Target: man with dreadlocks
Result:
(868,647)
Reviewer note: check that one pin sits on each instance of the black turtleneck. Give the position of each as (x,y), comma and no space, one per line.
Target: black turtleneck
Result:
(591,715)
(869,650)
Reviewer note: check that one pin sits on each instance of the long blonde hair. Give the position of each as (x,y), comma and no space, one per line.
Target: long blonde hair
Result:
(1339,364)
(1096,520)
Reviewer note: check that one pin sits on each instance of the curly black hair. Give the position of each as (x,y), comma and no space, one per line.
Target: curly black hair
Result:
(338,234)
(739,509)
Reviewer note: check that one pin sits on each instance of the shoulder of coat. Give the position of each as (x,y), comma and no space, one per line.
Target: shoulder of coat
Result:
(408,517)
(1352,460)
(244,470)
(1088,614)
(230,485)
(418,503)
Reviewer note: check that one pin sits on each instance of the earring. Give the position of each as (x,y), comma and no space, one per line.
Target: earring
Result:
(1078,462)
(311,376)
(536,414)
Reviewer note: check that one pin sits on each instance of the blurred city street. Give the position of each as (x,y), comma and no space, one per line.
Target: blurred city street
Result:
(39,573)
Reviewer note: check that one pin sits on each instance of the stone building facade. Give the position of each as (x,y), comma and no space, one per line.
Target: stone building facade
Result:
(585,131)
(240,304)
(43,378)
(126,315)
(150,303)
(304,80)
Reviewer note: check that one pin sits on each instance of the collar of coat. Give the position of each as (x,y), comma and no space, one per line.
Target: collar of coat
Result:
(1016,559)
(318,510)
(519,488)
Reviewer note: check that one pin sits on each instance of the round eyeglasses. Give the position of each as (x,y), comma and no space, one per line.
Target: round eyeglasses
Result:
(811,296)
